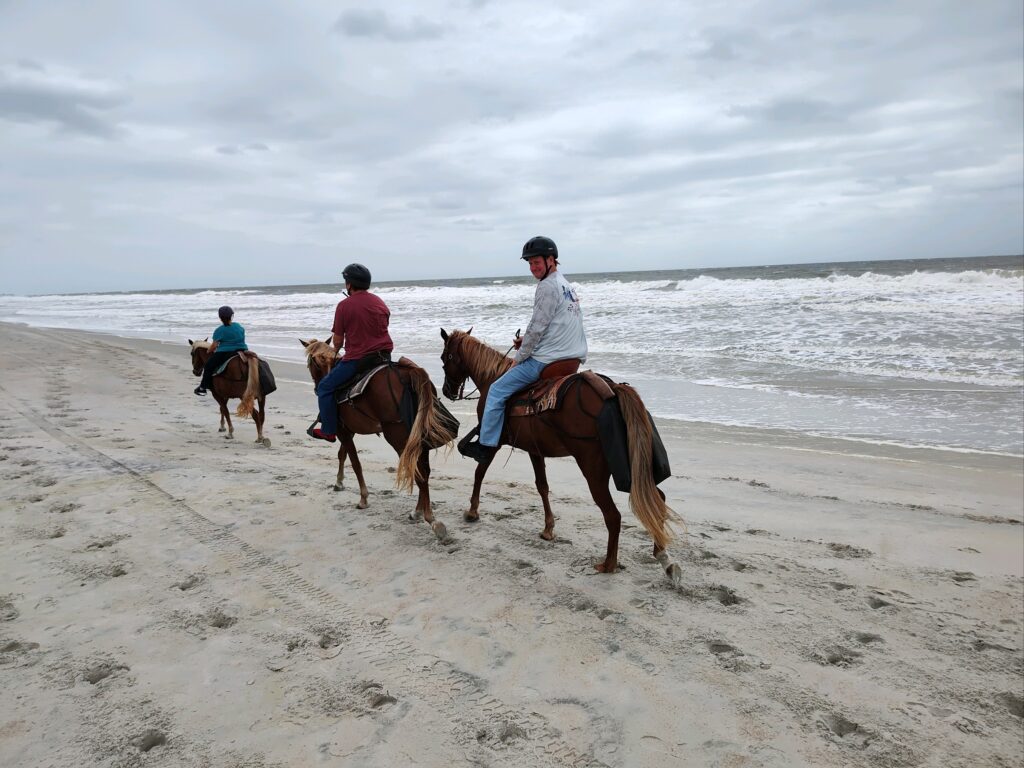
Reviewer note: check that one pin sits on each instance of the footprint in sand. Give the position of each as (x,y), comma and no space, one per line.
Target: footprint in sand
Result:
(847,550)
(7,610)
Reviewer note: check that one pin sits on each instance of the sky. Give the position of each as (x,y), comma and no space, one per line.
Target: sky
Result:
(150,145)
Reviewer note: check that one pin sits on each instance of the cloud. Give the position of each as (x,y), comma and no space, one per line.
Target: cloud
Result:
(375,23)
(31,93)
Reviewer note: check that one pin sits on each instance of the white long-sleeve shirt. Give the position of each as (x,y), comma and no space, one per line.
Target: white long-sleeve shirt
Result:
(555,331)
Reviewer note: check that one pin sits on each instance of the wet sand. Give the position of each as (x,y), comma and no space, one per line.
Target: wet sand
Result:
(172,598)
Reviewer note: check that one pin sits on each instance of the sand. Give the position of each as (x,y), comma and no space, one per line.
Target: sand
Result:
(172,598)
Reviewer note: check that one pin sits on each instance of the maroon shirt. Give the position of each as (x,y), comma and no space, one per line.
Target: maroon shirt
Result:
(362,322)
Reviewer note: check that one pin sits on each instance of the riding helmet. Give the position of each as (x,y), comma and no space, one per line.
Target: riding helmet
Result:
(357,276)
(225,313)
(540,246)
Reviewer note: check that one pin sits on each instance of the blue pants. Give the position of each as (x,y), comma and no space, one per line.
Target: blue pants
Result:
(506,385)
(338,376)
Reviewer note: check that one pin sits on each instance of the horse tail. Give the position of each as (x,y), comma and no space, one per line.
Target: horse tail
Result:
(426,429)
(647,503)
(252,390)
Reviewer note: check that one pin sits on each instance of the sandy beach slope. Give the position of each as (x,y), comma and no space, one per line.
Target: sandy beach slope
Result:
(171,598)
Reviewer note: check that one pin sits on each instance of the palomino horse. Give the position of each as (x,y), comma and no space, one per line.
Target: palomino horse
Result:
(571,430)
(376,411)
(236,381)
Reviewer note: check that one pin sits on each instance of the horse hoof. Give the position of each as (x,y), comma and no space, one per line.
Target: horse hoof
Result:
(229,436)
(547,536)
(363,504)
(675,574)
(439,530)
(471,517)
(222,429)
(339,486)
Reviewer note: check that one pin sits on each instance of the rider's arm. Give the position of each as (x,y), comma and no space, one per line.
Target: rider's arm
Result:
(545,304)
(338,340)
(213,347)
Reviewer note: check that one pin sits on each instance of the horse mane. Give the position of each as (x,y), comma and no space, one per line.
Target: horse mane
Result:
(320,349)
(201,344)
(487,362)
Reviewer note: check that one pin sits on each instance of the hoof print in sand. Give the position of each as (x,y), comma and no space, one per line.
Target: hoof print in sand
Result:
(1013,702)
(149,739)
(844,731)
(102,671)
(847,550)
(837,656)
(7,610)
(725,595)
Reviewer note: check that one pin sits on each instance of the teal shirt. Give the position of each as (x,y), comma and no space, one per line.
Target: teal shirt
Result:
(230,338)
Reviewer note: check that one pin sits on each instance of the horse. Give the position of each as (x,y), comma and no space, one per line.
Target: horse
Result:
(376,411)
(238,380)
(571,430)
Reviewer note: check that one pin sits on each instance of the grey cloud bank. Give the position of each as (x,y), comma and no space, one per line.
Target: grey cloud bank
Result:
(150,146)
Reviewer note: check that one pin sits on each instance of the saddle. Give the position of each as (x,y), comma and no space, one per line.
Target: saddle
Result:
(242,354)
(547,393)
(267,382)
(368,367)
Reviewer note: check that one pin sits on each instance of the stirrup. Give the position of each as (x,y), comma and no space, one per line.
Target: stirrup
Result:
(464,443)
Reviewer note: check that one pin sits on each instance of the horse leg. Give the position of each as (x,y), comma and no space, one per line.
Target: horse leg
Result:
(423,502)
(672,570)
(541,476)
(225,415)
(339,483)
(597,480)
(260,417)
(349,446)
(473,514)
(396,435)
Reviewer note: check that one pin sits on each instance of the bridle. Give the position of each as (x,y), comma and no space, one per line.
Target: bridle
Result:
(449,355)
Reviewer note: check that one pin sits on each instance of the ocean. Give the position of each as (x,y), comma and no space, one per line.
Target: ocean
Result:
(922,353)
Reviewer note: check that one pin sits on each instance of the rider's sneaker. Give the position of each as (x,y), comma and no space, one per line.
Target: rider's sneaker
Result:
(319,434)
(199,391)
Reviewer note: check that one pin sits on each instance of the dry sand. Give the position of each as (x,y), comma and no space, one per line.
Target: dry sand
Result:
(171,598)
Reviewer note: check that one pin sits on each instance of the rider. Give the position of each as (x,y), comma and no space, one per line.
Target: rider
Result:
(361,327)
(555,333)
(228,339)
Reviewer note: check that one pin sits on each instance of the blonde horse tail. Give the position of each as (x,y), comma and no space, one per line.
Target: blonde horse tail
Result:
(426,430)
(252,390)
(647,504)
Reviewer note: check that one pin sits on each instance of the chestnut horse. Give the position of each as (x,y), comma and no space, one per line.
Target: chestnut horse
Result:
(376,411)
(570,430)
(238,380)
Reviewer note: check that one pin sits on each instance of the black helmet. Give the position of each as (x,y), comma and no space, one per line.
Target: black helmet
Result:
(540,246)
(225,313)
(357,276)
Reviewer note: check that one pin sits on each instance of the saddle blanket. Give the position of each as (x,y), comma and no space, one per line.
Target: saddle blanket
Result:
(267,382)
(547,394)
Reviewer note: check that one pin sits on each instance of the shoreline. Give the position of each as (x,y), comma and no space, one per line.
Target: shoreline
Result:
(879,444)
(173,598)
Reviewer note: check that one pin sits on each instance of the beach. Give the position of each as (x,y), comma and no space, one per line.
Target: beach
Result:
(172,598)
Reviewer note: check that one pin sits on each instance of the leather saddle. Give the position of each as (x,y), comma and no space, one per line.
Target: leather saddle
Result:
(547,392)
(367,368)
(243,354)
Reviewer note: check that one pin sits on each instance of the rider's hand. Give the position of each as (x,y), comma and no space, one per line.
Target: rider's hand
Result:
(517,342)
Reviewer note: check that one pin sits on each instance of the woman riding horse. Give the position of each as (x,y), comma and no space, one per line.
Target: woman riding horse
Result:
(228,340)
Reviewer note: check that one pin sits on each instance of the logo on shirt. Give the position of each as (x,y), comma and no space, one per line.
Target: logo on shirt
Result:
(569,295)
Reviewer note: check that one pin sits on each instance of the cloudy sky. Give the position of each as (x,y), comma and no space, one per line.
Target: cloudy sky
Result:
(190,143)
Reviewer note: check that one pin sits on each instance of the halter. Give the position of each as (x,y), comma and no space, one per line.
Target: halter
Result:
(462,387)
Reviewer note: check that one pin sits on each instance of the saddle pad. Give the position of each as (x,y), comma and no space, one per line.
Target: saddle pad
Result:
(240,355)
(546,394)
(356,389)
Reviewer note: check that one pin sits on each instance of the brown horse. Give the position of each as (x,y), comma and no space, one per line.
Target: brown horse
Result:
(571,430)
(238,380)
(376,411)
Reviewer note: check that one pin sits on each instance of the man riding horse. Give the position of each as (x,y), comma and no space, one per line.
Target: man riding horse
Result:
(555,333)
(361,327)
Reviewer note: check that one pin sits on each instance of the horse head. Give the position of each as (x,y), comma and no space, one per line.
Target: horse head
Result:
(320,358)
(453,362)
(200,354)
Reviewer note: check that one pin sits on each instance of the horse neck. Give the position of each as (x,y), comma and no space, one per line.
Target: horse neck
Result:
(483,365)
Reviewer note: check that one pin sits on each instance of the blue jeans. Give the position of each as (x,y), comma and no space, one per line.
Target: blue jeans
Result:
(506,385)
(338,376)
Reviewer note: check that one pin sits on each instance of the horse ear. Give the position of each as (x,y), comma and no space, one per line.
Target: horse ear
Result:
(190,342)
(470,331)
(304,343)
(444,334)
(207,338)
